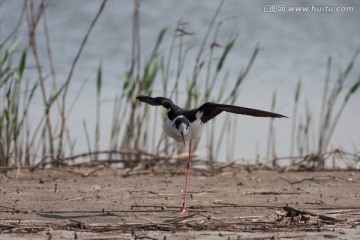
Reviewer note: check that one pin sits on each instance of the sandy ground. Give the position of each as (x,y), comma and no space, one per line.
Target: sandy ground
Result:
(234,203)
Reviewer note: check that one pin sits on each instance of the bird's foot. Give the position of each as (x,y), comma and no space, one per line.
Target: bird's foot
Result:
(184,210)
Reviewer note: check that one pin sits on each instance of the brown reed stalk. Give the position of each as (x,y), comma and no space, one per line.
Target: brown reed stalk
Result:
(64,88)
(32,20)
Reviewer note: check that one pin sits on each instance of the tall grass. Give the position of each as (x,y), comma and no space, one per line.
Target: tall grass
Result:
(315,148)
(14,105)
(36,143)
(329,116)
(134,135)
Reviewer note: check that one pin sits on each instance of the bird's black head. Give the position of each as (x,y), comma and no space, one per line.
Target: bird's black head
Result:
(182,127)
(181,120)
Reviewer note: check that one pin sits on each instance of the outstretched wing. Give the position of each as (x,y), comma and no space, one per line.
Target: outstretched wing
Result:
(165,102)
(210,110)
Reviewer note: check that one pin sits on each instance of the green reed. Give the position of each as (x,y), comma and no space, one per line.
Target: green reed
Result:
(315,147)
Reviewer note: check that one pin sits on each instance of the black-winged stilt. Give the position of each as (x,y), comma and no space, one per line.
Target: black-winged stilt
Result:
(186,125)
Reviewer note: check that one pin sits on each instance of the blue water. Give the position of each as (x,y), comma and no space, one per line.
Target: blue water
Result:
(293,46)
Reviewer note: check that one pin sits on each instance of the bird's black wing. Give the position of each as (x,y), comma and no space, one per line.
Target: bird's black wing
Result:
(210,110)
(156,101)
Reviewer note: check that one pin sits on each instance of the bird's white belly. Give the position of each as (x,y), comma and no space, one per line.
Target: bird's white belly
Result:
(195,131)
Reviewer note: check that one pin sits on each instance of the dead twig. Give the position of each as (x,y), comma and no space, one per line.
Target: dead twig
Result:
(180,219)
(313,179)
(292,212)
(146,219)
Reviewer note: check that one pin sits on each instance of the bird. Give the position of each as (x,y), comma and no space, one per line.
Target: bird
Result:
(187,124)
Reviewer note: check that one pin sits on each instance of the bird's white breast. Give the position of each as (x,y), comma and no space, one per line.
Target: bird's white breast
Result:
(195,130)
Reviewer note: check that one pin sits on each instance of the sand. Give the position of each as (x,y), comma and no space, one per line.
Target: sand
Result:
(233,202)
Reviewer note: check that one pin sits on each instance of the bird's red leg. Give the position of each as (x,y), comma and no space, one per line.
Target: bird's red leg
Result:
(184,209)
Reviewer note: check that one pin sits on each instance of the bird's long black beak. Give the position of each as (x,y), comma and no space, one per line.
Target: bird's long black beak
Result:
(183,138)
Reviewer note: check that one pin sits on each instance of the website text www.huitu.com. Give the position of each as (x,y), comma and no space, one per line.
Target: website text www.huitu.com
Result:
(277,8)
